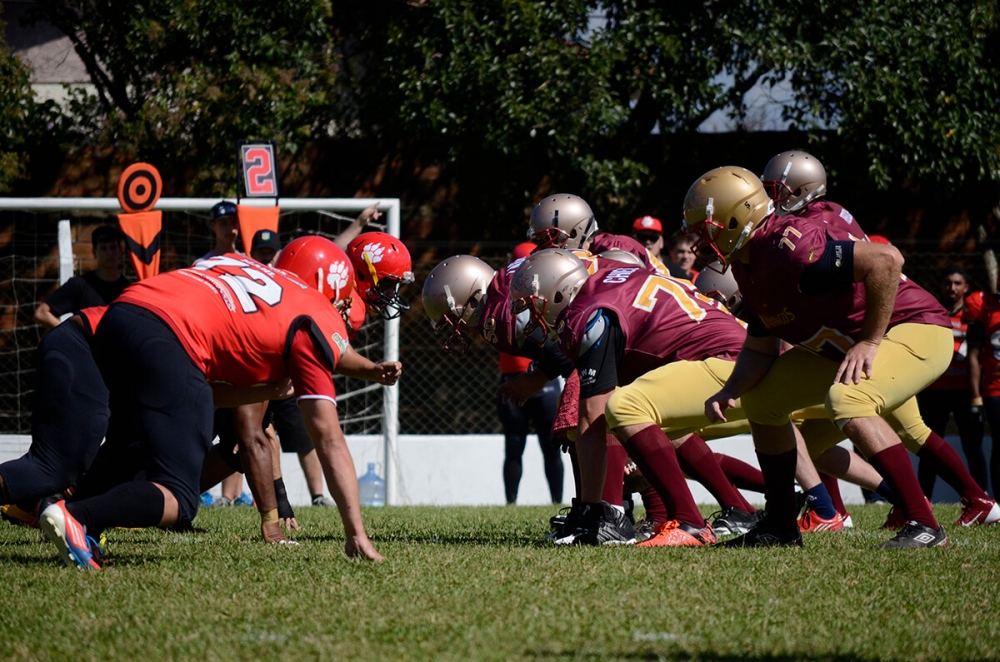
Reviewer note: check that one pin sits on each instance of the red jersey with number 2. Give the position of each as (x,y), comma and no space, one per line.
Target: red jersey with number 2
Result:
(244,323)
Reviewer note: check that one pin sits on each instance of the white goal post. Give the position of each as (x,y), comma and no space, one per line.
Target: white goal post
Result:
(389,206)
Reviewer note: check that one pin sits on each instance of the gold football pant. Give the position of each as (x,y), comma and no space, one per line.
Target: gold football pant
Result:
(910,358)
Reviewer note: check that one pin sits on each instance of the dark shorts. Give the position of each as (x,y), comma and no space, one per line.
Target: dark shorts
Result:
(161,407)
(290,427)
(68,420)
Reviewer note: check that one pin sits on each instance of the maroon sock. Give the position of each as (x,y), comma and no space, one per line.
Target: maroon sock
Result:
(698,461)
(653,453)
(894,465)
(614,479)
(743,475)
(948,464)
(656,510)
(779,488)
(833,488)
(574,463)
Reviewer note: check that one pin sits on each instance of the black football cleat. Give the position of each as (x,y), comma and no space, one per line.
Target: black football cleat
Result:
(763,535)
(915,536)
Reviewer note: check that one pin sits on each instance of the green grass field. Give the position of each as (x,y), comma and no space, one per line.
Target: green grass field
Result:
(472,583)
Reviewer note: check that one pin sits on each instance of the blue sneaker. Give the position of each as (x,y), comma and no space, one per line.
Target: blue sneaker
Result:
(243,500)
(70,537)
(207,498)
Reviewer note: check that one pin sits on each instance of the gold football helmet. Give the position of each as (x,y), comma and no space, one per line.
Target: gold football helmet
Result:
(452,295)
(561,221)
(722,208)
(545,283)
(793,180)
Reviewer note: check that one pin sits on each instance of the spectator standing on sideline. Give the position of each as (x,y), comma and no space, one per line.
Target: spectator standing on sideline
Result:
(984,369)
(538,410)
(93,288)
(680,256)
(951,394)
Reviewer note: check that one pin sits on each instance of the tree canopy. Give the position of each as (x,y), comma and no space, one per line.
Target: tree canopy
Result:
(513,98)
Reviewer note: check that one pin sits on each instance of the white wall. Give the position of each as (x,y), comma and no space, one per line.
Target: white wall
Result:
(466,470)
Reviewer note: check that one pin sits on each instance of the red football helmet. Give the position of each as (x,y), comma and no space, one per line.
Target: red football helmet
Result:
(381,265)
(321,264)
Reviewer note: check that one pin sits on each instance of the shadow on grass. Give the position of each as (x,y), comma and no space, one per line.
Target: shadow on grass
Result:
(686,656)
(463,538)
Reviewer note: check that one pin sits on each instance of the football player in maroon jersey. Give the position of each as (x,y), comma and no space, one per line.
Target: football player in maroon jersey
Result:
(796,181)
(866,340)
(660,341)
(159,346)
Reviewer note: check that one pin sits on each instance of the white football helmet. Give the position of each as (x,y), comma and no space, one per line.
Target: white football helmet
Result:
(793,180)
(561,221)
(452,294)
(545,283)
(622,255)
(717,282)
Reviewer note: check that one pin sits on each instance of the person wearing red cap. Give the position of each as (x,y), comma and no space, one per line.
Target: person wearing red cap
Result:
(648,231)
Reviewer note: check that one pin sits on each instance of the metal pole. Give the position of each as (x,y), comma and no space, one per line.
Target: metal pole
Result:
(65,251)
(391,394)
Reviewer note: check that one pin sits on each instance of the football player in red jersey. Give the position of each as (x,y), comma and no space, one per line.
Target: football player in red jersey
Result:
(664,346)
(797,184)
(228,319)
(866,340)
(382,266)
(984,367)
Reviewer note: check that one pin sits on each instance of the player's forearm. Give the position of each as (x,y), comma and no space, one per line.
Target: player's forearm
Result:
(592,448)
(338,468)
(45,318)
(975,374)
(752,364)
(255,454)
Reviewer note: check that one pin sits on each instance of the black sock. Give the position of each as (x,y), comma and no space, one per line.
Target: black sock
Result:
(137,504)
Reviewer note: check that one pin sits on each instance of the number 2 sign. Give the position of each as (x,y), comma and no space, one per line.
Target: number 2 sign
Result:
(260,178)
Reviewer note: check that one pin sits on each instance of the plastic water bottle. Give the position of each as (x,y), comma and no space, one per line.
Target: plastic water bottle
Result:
(371,488)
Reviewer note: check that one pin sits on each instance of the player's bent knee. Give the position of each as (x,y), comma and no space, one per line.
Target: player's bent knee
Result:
(628,407)
(759,408)
(848,401)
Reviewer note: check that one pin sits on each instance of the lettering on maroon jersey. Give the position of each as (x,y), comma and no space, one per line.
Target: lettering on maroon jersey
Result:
(490,331)
(619,275)
(771,321)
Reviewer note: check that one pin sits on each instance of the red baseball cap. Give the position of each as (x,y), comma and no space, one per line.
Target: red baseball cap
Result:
(647,224)
(522,250)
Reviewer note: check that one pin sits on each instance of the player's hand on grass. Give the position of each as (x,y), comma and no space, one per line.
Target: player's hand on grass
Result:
(519,389)
(272,532)
(857,362)
(289,523)
(388,372)
(716,406)
(359,547)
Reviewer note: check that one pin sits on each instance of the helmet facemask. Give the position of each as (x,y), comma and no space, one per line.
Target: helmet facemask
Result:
(383,295)
(451,329)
